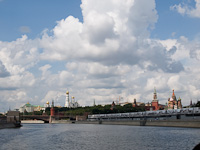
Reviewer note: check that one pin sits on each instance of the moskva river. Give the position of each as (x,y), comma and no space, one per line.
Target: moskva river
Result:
(97,137)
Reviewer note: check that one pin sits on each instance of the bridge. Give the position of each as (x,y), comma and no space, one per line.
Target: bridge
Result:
(185,113)
(46,118)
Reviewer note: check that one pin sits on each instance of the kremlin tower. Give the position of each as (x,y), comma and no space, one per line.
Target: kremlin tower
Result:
(154,102)
(52,109)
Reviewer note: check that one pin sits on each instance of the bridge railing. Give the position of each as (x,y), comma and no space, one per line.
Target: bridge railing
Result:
(159,113)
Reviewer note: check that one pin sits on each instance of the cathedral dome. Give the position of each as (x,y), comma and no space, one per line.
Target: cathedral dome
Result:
(47,102)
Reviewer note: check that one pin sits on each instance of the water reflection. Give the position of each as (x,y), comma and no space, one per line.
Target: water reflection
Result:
(98,137)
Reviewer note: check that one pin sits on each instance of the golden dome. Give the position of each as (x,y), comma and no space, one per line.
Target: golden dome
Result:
(72,97)
(67,92)
(47,102)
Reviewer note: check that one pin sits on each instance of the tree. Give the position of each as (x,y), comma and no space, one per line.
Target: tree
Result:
(197,104)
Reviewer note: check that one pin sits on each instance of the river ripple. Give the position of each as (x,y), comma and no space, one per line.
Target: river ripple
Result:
(97,137)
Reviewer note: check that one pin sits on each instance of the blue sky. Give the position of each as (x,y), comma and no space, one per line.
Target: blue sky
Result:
(37,15)
(170,21)
(109,51)
(40,15)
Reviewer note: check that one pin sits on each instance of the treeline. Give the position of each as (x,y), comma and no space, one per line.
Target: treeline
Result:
(33,113)
(95,110)
(196,104)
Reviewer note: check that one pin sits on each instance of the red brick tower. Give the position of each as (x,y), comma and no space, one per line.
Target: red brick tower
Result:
(134,103)
(112,105)
(154,102)
(52,109)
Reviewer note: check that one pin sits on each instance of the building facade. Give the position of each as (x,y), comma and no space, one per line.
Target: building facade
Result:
(30,108)
(173,103)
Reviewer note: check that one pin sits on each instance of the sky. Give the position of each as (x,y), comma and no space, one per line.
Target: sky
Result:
(98,50)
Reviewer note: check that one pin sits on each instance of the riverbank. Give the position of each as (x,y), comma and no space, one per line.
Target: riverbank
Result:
(9,125)
(11,120)
(192,123)
(32,121)
(160,123)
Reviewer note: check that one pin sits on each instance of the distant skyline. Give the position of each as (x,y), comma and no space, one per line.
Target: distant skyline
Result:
(98,49)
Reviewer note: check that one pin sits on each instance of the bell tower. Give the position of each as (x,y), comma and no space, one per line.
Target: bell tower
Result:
(67,103)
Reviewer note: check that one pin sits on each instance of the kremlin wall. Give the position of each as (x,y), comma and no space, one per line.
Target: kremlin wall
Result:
(172,103)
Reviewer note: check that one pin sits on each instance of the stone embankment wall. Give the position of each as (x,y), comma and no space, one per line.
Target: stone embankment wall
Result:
(163,123)
(7,125)
(32,121)
(190,124)
(61,121)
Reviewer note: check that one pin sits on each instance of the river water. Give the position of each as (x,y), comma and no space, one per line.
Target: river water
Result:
(97,137)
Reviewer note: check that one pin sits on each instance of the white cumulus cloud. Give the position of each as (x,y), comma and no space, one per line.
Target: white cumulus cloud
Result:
(186,9)
(108,55)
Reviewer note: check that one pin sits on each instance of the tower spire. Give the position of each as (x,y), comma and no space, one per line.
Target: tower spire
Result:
(52,105)
(191,102)
(173,93)
(155,94)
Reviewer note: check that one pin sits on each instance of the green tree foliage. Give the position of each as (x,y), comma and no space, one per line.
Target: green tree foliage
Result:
(197,104)
(98,109)
(38,112)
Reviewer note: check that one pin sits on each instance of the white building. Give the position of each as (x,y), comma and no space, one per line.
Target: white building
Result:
(27,107)
(47,104)
(70,103)
(31,108)
(67,102)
